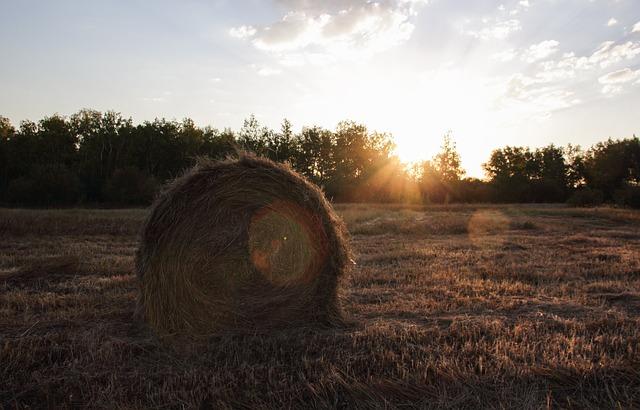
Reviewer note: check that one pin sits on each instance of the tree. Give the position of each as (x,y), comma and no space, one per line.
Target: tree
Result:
(439,178)
(104,146)
(314,156)
(56,142)
(282,146)
(358,156)
(6,134)
(611,165)
(575,170)
(217,144)
(130,186)
(447,161)
(45,185)
(431,183)
(510,170)
(549,181)
(254,137)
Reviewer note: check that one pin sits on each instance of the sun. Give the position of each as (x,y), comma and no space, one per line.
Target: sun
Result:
(440,102)
(417,107)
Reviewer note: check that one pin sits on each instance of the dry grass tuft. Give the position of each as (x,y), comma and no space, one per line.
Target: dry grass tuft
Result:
(42,269)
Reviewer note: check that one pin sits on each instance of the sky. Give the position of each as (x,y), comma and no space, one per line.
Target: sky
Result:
(492,73)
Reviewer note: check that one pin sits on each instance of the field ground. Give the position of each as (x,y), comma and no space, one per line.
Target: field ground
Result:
(451,307)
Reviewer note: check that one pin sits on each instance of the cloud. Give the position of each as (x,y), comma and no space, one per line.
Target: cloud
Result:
(324,31)
(612,22)
(621,76)
(550,83)
(636,28)
(499,30)
(609,53)
(534,53)
(154,99)
(242,32)
(540,51)
(268,71)
(500,26)
(613,81)
(606,55)
(552,71)
(158,99)
(505,56)
(535,96)
(563,72)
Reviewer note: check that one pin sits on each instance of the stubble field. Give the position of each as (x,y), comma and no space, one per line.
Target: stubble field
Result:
(448,307)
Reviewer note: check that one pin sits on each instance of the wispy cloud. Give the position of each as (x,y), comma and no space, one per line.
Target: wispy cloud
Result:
(498,30)
(613,82)
(267,71)
(540,51)
(536,95)
(500,26)
(242,31)
(319,32)
(610,53)
(553,83)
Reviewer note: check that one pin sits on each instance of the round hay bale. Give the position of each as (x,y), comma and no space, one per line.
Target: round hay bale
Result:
(240,244)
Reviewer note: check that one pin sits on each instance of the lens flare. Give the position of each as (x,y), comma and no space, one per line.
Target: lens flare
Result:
(286,244)
(488,227)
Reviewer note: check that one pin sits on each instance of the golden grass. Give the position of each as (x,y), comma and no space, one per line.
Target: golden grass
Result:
(535,307)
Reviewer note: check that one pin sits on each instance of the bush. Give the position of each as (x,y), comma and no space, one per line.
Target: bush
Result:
(472,190)
(130,186)
(549,191)
(629,196)
(21,191)
(46,185)
(585,197)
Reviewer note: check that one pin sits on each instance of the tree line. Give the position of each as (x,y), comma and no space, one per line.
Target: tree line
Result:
(93,157)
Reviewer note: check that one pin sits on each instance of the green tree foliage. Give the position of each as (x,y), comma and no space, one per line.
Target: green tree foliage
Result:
(103,147)
(432,185)
(102,157)
(447,162)
(255,137)
(314,156)
(217,144)
(45,185)
(575,176)
(518,174)
(130,186)
(6,134)
(441,178)
(612,165)
(549,179)
(282,146)
(509,170)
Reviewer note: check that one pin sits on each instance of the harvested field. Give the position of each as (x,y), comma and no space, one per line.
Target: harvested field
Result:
(447,307)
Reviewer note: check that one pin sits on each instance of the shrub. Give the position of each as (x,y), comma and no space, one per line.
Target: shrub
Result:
(629,196)
(46,185)
(130,186)
(585,197)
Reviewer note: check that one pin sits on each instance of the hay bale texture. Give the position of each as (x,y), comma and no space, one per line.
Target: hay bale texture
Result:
(240,244)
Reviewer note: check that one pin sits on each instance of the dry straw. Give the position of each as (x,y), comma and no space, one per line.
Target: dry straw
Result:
(240,244)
